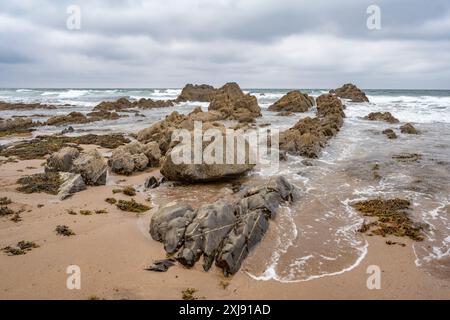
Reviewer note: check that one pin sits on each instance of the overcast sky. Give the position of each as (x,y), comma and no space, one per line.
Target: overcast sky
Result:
(257,43)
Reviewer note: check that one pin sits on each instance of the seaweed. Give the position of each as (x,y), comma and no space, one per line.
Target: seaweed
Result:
(48,182)
(63,230)
(101,211)
(16,218)
(132,206)
(21,248)
(407,157)
(188,294)
(41,146)
(392,218)
(4,201)
(111,200)
(72,212)
(5,211)
(85,212)
(128,191)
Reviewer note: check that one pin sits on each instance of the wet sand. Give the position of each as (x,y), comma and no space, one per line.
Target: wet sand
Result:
(113,249)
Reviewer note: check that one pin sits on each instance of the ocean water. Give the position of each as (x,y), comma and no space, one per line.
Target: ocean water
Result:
(317,237)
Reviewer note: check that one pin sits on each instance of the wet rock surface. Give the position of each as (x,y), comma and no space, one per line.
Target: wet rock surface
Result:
(351,92)
(309,135)
(390,134)
(381,116)
(293,101)
(221,232)
(24,106)
(16,126)
(408,128)
(202,93)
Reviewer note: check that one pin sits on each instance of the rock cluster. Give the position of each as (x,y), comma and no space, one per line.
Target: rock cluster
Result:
(221,232)
(309,135)
(351,92)
(381,116)
(24,106)
(293,101)
(134,156)
(390,134)
(85,168)
(123,104)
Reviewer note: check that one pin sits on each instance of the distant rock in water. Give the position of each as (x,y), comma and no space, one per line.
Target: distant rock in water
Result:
(221,232)
(390,133)
(408,128)
(381,116)
(24,106)
(202,93)
(309,135)
(233,104)
(351,92)
(293,101)
(123,104)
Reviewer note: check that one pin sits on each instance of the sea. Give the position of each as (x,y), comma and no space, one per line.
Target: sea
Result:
(317,237)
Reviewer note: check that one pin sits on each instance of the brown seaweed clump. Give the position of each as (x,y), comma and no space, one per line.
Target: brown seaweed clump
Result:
(64,231)
(128,191)
(48,182)
(41,146)
(132,206)
(5,201)
(22,248)
(111,200)
(5,211)
(407,157)
(391,218)
(188,294)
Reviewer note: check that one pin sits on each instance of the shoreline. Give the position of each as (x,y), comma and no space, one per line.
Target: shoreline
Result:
(113,249)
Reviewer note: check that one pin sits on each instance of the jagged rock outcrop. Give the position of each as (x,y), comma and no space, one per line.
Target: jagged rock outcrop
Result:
(71,118)
(293,101)
(351,92)
(408,128)
(381,116)
(221,232)
(309,135)
(123,104)
(234,104)
(202,93)
(134,156)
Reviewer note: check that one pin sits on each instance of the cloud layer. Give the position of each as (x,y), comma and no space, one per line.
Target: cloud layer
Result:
(277,44)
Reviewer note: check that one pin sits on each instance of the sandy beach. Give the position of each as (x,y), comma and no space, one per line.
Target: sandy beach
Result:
(113,249)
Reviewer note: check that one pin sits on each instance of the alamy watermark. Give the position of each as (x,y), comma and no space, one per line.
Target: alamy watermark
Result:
(73,21)
(374,17)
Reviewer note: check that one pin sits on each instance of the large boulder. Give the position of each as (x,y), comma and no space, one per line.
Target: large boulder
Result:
(62,160)
(381,116)
(221,232)
(188,170)
(351,92)
(293,101)
(202,93)
(92,167)
(121,104)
